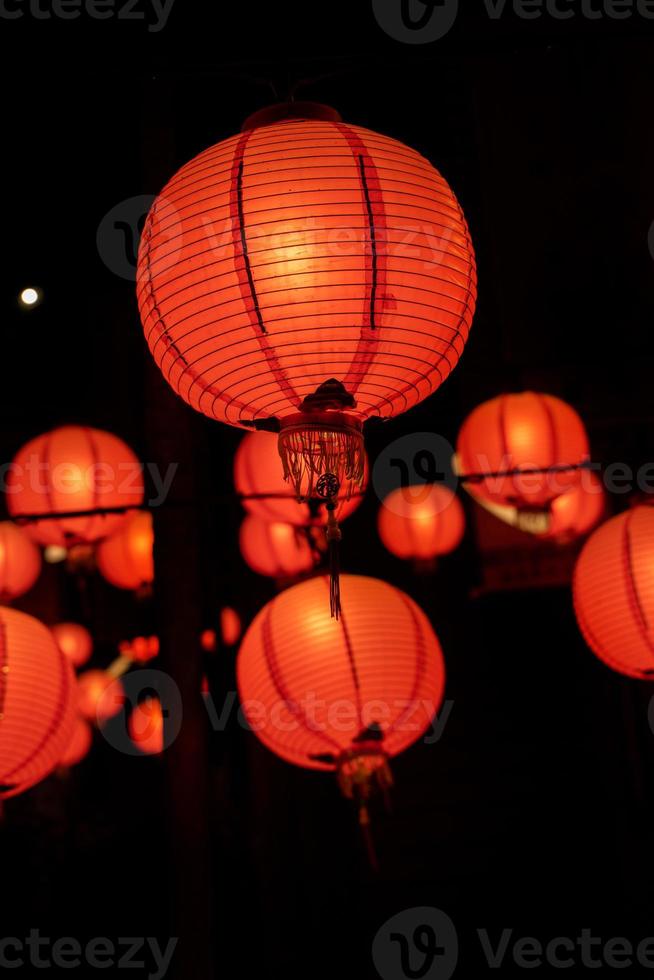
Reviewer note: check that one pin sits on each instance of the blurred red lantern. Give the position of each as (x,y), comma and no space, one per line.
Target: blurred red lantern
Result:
(80,744)
(74,641)
(522,432)
(146,726)
(37,702)
(125,559)
(99,695)
(230,626)
(277,288)
(20,562)
(614,592)
(276,550)
(70,470)
(141,648)
(259,480)
(421,522)
(328,694)
(575,513)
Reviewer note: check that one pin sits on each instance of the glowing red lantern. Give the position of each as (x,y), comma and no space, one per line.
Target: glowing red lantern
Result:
(80,744)
(146,726)
(230,626)
(259,479)
(305,276)
(37,702)
(74,641)
(276,550)
(575,513)
(340,694)
(614,592)
(20,562)
(421,522)
(512,436)
(71,470)
(125,559)
(99,695)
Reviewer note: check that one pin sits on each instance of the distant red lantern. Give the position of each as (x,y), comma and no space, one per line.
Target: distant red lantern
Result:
(74,641)
(328,694)
(99,695)
(276,550)
(525,433)
(259,479)
(20,562)
(125,559)
(141,649)
(575,513)
(79,746)
(421,522)
(146,726)
(37,702)
(73,469)
(614,592)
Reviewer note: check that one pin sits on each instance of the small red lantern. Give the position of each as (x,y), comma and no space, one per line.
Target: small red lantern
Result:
(421,522)
(37,702)
(614,592)
(74,469)
(125,559)
(574,514)
(99,695)
(146,726)
(276,550)
(74,641)
(79,746)
(531,447)
(20,562)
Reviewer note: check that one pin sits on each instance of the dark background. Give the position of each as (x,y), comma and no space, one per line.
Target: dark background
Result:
(534,811)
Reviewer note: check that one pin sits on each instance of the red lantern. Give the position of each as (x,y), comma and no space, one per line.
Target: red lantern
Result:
(125,559)
(340,694)
(230,626)
(614,592)
(74,641)
(525,432)
(79,746)
(276,550)
(99,695)
(20,562)
(575,513)
(37,702)
(307,275)
(71,470)
(146,726)
(421,522)
(258,478)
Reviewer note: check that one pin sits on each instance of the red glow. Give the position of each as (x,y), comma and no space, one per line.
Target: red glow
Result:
(421,522)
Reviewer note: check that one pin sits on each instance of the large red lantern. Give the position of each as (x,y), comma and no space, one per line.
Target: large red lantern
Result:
(37,702)
(74,641)
(614,592)
(522,450)
(20,562)
(76,470)
(276,550)
(258,478)
(421,522)
(342,695)
(125,559)
(304,276)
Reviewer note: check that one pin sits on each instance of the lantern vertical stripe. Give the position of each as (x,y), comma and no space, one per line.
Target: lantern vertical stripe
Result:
(635,604)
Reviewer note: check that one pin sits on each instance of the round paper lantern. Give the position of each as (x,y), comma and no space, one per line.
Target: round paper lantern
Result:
(80,744)
(328,694)
(230,626)
(304,276)
(125,559)
(575,513)
(99,695)
(20,562)
(276,550)
(259,479)
(74,641)
(522,432)
(37,702)
(70,470)
(146,726)
(421,522)
(614,592)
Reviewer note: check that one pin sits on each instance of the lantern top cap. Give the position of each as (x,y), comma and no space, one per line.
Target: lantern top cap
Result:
(290,110)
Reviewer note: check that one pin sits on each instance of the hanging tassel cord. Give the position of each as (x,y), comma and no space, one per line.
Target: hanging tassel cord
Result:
(334,538)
